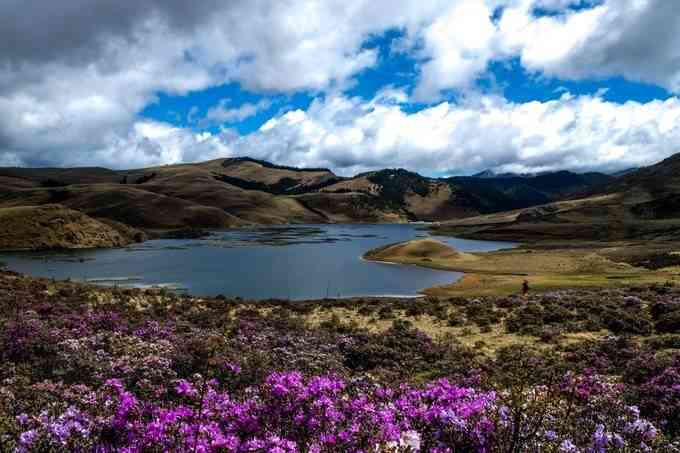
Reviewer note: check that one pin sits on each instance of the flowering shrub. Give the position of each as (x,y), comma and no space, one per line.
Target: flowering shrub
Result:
(291,413)
(126,370)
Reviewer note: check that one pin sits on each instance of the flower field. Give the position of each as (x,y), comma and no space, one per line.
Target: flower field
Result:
(89,369)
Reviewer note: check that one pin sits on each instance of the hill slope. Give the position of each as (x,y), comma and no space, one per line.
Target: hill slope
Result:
(55,227)
(243,191)
(644,204)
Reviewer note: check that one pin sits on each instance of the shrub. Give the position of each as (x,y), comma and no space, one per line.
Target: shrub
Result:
(669,322)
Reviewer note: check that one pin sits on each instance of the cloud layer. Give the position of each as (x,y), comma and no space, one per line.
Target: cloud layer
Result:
(350,135)
(580,133)
(75,75)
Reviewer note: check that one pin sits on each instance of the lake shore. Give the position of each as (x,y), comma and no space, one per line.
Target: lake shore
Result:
(293,262)
(546,265)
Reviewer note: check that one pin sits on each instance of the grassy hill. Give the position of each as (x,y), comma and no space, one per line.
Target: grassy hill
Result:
(235,192)
(55,227)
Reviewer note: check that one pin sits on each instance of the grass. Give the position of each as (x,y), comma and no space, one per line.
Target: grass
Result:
(546,267)
(432,315)
(54,227)
(484,341)
(500,285)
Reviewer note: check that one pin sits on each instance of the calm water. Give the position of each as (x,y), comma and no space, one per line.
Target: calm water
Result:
(299,262)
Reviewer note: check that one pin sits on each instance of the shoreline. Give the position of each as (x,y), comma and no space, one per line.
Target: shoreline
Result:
(107,276)
(547,266)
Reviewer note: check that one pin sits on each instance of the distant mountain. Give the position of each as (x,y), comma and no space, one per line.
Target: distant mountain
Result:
(625,171)
(485,174)
(490,174)
(642,204)
(505,193)
(244,191)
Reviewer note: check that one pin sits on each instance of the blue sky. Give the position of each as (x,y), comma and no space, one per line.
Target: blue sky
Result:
(507,78)
(435,86)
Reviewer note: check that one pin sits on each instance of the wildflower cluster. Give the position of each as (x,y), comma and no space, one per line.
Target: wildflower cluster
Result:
(86,369)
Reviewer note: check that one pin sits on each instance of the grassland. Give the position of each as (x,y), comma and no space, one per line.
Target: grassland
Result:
(546,266)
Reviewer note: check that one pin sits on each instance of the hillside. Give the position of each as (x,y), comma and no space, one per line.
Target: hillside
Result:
(643,204)
(430,199)
(55,227)
(235,192)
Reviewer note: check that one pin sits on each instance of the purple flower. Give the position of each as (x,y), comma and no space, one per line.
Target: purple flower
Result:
(27,438)
(185,388)
(568,446)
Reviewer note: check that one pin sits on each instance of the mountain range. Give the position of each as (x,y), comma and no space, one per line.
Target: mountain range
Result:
(234,192)
(642,204)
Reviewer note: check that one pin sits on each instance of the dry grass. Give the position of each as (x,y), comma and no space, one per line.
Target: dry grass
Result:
(485,341)
(53,226)
(502,272)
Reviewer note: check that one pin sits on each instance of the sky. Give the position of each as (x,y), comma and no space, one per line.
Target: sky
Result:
(441,87)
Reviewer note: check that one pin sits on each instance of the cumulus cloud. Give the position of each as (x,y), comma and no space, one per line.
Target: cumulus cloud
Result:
(75,75)
(223,113)
(459,47)
(635,39)
(349,135)
(579,133)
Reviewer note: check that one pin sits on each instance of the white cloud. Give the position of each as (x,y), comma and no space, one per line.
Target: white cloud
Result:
(222,113)
(459,47)
(73,98)
(64,97)
(635,39)
(579,133)
(350,135)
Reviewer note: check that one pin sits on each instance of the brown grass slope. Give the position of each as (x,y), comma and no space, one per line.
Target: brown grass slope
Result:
(546,267)
(214,194)
(265,173)
(200,184)
(55,227)
(241,191)
(168,197)
(435,200)
(126,204)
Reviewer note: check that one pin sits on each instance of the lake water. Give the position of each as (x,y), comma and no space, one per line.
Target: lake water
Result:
(292,262)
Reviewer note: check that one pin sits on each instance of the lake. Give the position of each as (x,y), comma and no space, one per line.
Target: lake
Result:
(291,262)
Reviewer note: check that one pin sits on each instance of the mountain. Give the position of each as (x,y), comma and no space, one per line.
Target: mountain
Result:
(243,191)
(625,171)
(485,174)
(643,204)
(490,174)
(505,193)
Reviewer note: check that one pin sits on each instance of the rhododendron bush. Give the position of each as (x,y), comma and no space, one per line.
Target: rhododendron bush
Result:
(136,371)
(290,413)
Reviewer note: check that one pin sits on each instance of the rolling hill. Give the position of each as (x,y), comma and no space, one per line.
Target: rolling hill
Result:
(235,192)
